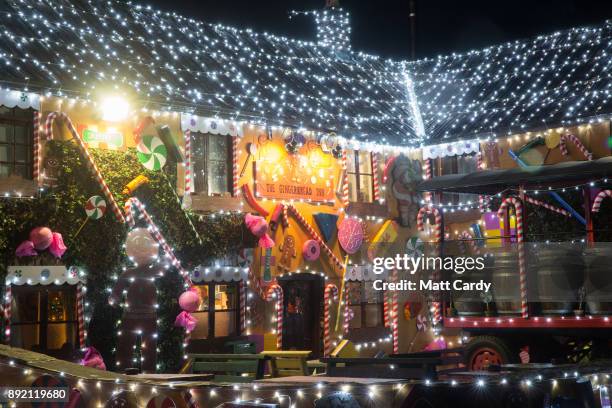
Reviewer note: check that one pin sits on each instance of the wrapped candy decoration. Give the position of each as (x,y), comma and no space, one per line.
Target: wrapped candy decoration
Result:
(189,301)
(186,321)
(93,359)
(26,248)
(57,247)
(259,227)
(42,237)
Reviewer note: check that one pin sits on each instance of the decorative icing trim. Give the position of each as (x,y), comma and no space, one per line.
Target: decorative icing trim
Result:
(451,149)
(364,273)
(23,100)
(200,124)
(43,275)
(219,274)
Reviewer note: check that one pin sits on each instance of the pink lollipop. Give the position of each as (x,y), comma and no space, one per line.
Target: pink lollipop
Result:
(350,235)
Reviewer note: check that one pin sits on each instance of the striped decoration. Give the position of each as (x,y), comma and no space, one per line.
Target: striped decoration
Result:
(483,201)
(255,284)
(329,294)
(275,293)
(187,194)
(314,235)
(8,304)
(437,226)
(91,165)
(467,237)
(386,311)
(388,167)
(129,216)
(243,307)
(574,139)
(36,148)
(599,198)
(552,208)
(347,314)
(375,182)
(80,314)
(285,217)
(345,179)
(395,315)
(235,172)
(426,176)
(518,207)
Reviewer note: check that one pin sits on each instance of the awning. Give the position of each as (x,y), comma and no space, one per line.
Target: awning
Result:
(565,174)
(23,100)
(43,275)
(219,274)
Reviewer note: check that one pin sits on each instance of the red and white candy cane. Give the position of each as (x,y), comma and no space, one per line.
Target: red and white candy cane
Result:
(256,284)
(8,302)
(186,199)
(386,305)
(243,307)
(345,182)
(275,293)
(395,316)
(314,235)
(129,216)
(81,314)
(483,201)
(329,294)
(235,171)
(36,148)
(285,217)
(437,233)
(347,313)
(427,176)
(552,208)
(388,167)
(91,164)
(518,207)
(375,182)
(467,237)
(599,198)
(574,139)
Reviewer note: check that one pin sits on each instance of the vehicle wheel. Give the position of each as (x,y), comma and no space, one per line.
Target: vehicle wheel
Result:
(484,351)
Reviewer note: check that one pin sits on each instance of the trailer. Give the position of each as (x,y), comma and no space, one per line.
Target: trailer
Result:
(531,317)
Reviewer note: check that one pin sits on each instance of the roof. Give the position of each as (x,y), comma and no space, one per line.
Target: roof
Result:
(565,174)
(79,47)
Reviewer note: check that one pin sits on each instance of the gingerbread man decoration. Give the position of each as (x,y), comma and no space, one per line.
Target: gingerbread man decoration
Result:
(288,252)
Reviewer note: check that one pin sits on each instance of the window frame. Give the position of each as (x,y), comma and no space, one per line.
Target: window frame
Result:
(206,190)
(363,304)
(437,171)
(28,124)
(212,310)
(357,173)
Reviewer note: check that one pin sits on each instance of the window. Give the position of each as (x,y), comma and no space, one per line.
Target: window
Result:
(463,164)
(16,142)
(359,170)
(219,315)
(44,319)
(212,164)
(366,304)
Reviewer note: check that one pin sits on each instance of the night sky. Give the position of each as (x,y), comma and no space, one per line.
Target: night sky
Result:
(381,27)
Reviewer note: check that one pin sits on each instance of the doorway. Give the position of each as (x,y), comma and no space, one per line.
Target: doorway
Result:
(303,294)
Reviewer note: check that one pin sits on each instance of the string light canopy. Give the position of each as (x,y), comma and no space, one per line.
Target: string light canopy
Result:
(79,48)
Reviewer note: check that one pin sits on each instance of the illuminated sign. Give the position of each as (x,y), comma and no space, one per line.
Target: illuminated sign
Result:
(309,174)
(111,138)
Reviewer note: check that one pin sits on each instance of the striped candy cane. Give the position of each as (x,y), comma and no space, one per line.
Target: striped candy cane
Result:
(285,217)
(275,293)
(91,164)
(483,201)
(8,304)
(314,235)
(243,306)
(129,214)
(599,198)
(36,148)
(187,195)
(518,206)
(375,182)
(235,171)
(574,139)
(427,176)
(395,319)
(347,314)
(386,311)
(552,208)
(256,284)
(80,314)
(330,294)
(388,167)
(467,237)
(437,232)
(345,180)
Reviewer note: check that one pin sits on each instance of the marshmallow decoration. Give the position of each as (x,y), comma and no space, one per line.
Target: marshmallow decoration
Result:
(41,237)
(141,247)
(259,227)
(190,301)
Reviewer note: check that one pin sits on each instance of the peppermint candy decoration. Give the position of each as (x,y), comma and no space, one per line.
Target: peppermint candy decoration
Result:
(311,250)
(414,247)
(95,207)
(152,152)
(350,235)
(421,323)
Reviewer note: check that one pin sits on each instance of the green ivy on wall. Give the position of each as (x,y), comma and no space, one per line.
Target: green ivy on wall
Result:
(99,246)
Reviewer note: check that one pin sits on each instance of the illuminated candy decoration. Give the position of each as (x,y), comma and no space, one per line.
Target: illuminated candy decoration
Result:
(141,247)
(95,207)
(135,184)
(152,152)
(311,250)
(599,198)
(350,235)
(275,293)
(330,293)
(250,199)
(415,247)
(574,139)
(421,323)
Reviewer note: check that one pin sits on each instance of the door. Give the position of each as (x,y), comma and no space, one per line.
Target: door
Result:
(302,297)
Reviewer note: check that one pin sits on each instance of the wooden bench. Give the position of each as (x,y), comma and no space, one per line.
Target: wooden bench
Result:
(386,367)
(229,367)
(449,360)
(287,363)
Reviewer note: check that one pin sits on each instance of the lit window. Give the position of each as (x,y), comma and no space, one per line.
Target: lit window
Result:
(366,304)
(359,170)
(218,315)
(16,142)
(212,164)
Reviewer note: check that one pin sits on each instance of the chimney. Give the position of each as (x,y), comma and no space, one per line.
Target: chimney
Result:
(333,27)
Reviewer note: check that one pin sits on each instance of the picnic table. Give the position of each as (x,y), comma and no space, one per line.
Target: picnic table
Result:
(285,363)
(229,367)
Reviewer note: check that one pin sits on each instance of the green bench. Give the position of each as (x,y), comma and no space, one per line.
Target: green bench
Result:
(229,367)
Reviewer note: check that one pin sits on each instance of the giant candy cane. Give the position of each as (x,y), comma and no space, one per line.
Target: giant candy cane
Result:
(375,181)
(552,208)
(91,164)
(437,232)
(187,194)
(36,148)
(395,315)
(345,180)
(81,314)
(426,176)
(275,293)
(572,138)
(330,294)
(518,206)
(599,198)
(129,216)
(466,236)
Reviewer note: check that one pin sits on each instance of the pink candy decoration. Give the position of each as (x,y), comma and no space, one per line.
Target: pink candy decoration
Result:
(93,359)
(189,301)
(311,250)
(259,227)
(26,248)
(350,235)
(42,237)
(438,344)
(57,247)
(186,320)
